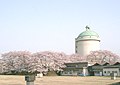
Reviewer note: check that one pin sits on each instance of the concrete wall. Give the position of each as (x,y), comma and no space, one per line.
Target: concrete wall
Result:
(107,71)
(1,69)
(78,72)
(69,73)
(84,47)
(97,73)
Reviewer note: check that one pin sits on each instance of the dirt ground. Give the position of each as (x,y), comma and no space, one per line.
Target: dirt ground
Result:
(58,80)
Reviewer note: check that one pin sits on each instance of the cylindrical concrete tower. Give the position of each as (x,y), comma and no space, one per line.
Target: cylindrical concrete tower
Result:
(87,41)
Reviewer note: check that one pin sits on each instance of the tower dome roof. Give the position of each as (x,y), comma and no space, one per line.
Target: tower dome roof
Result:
(88,32)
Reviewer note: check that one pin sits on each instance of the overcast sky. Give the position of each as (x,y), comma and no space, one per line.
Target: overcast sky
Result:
(53,25)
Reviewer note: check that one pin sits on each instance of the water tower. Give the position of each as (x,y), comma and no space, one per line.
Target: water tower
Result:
(87,41)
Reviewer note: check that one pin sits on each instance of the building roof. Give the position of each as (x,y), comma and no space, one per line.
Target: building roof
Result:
(117,63)
(76,63)
(88,33)
(96,64)
(106,64)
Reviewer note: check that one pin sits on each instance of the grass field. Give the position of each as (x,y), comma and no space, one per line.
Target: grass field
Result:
(58,80)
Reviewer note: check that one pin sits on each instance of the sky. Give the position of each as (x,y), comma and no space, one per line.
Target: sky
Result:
(53,25)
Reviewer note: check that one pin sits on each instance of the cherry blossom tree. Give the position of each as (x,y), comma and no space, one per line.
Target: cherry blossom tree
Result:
(17,60)
(102,56)
(49,60)
(45,61)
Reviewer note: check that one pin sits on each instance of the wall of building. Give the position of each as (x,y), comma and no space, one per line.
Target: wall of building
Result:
(107,71)
(1,69)
(97,73)
(84,47)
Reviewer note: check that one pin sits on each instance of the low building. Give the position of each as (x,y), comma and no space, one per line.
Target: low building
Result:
(115,68)
(97,69)
(75,69)
(1,66)
(84,69)
(106,69)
